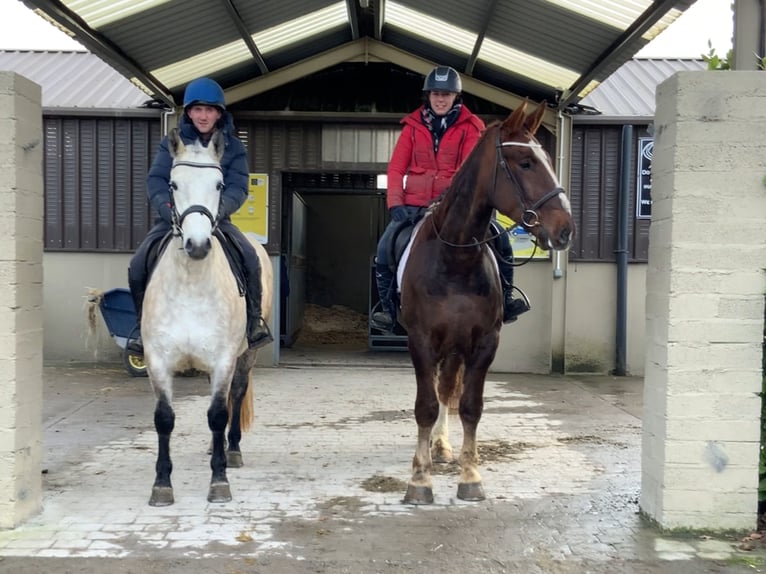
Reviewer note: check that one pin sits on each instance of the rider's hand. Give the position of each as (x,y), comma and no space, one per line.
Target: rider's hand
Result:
(166,212)
(227,207)
(399,213)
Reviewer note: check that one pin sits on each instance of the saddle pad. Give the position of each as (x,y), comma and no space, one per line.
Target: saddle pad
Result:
(406,254)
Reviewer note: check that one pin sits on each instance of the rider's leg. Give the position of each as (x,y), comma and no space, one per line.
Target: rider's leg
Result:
(384,279)
(512,307)
(258,333)
(138,276)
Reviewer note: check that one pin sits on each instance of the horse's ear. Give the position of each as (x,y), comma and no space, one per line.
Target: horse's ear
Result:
(175,143)
(218,141)
(516,119)
(533,121)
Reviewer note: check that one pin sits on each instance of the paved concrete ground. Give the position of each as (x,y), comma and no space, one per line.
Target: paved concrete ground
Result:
(325,472)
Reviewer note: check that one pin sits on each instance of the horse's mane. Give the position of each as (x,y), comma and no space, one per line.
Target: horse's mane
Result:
(467,173)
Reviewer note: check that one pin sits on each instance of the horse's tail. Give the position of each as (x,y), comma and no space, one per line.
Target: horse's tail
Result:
(457,391)
(246,410)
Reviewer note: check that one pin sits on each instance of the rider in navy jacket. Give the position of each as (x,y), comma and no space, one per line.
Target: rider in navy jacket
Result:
(204,113)
(233,164)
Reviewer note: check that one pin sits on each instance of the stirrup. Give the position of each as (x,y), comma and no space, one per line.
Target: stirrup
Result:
(382,321)
(136,347)
(512,308)
(259,335)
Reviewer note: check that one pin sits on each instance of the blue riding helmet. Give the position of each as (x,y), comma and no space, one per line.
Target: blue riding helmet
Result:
(443,78)
(204,91)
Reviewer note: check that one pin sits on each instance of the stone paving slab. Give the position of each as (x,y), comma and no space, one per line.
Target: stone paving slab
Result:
(561,469)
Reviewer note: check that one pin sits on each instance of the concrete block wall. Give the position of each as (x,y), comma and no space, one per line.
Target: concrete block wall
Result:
(704,302)
(21,299)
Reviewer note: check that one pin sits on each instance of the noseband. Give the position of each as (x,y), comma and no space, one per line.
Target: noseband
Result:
(529,217)
(178,219)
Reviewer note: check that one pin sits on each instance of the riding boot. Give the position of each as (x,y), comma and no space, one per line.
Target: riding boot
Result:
(512,307)
(383,319)
(139,270)
(258,332)
(137,290)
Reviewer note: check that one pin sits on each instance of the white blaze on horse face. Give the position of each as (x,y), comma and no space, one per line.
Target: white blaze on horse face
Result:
(543,158)
(197,184)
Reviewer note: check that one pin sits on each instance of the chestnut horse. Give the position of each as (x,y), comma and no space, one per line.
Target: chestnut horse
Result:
(451,296)
(194,317)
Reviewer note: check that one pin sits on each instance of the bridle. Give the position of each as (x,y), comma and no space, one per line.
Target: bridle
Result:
(178,219)
(529,218)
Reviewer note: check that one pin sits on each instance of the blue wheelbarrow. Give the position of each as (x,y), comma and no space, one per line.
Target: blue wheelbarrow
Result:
(119,314)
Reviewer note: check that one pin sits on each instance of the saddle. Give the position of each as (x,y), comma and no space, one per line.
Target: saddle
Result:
(403,233)
(400,238)
(231,249)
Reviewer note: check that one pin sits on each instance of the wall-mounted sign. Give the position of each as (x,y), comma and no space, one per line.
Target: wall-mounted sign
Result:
(644,179)
(253,216)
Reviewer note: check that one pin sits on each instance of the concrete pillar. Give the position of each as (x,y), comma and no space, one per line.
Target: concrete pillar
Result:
(705,301)
(747,42)
(21,299)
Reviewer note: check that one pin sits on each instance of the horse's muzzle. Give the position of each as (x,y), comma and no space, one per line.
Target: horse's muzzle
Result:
(564,238)
(197,250)
(559,240)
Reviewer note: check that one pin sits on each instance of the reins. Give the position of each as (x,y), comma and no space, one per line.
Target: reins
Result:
(178,219)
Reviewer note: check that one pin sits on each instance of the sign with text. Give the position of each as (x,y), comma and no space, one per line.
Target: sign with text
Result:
(521,240)
(253,216)
(644,178)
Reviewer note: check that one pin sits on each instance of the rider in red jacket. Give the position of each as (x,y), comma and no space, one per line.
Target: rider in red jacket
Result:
(429,169)
(434,142)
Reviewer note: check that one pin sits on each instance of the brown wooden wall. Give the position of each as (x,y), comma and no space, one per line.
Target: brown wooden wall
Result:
(95,170)
(594,189)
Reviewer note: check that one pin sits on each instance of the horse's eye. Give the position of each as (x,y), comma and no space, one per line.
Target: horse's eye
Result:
(173,185)
(219,187)
(526,164)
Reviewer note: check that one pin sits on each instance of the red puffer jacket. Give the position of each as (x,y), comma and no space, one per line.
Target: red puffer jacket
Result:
(428,173)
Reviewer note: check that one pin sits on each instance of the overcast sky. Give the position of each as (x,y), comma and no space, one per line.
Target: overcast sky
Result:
(687,37)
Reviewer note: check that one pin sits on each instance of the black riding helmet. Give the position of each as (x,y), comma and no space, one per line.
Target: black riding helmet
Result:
(443,78)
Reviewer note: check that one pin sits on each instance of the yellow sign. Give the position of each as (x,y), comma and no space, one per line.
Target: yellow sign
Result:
(253,216)
(521,240)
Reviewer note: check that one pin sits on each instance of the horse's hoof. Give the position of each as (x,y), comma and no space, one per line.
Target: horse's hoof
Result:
(419,495)
(161,496)
(470,491)
(219,492)
(233,459)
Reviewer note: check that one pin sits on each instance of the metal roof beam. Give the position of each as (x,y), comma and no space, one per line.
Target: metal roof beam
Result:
(488,15)
(100,46)
(379,17)
(649,17)
(368,50)
(246,36)
(388,53)
(353,18)
(296,71)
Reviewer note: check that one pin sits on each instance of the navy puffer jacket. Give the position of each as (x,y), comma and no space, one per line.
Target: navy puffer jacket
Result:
(233,164)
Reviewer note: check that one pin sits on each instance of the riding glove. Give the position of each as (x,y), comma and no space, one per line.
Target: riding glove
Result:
(165,211)
(228,206)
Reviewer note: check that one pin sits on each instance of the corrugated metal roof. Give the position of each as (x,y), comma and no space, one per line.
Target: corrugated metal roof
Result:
(556,50)
(81,80)
(74,79)
(630,91)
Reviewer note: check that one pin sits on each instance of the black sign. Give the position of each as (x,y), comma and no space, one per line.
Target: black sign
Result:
(644,179)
